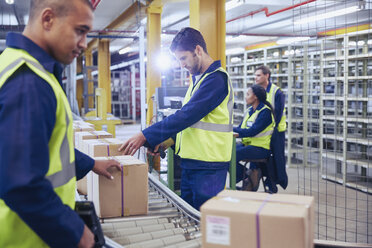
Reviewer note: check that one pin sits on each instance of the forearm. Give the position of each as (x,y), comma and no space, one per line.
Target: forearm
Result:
(84,164)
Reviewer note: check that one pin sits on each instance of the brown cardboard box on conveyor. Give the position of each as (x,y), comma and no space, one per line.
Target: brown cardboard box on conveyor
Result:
(126,194)
(80,136)
(102,147)
(250,219)
(81,126)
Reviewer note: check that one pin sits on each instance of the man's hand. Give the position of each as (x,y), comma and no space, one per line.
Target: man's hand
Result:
(163,146)
(87,240)
(100,167)
(133,144)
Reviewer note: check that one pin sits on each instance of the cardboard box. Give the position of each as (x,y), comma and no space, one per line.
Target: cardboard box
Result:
(102,147)
(82,186)
(249,219)
(126,194)
(80,136)
(83,123)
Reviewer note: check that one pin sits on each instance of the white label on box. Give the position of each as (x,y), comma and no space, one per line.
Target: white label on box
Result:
(218,230)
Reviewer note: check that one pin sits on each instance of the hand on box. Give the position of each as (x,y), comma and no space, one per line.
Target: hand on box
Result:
(133,144)
(87,239)
(100,167)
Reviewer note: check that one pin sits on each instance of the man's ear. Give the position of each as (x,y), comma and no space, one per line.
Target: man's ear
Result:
(199,50)
(47,18)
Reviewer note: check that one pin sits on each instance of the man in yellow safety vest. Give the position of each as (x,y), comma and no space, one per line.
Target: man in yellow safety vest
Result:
(276,98)
(38,163)
(203,126)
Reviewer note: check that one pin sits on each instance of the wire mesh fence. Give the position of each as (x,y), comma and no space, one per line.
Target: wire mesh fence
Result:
(329,108)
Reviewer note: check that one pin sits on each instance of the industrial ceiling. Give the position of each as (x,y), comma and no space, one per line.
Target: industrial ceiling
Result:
(253,21)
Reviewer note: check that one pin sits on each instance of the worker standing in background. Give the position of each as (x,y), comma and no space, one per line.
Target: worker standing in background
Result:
(255,130)
(203,125)
(37,156)
(276,98)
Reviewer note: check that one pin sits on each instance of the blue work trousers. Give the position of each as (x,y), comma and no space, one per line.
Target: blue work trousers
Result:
(248,152)
(199,185)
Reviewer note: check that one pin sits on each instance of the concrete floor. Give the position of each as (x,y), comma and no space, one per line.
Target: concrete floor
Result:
(341,213)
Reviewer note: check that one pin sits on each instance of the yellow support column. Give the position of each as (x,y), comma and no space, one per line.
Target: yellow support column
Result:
(208,16)
(104,73)
(89,62)
(153,78)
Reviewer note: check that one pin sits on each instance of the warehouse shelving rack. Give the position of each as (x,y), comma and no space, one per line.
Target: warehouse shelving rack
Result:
(326,127)
(347,109)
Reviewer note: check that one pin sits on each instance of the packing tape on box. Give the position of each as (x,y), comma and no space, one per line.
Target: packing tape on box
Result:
(122,191)
(264,202)
(126,212)
(258,220)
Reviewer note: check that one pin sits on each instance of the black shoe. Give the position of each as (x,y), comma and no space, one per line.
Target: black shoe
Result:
(252,181)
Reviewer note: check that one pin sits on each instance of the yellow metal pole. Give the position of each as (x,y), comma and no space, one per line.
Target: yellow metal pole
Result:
(104,73)
(212,26)
(89,62)
(153,78)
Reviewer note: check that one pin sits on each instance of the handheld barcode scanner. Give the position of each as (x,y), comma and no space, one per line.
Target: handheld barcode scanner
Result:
(85,209)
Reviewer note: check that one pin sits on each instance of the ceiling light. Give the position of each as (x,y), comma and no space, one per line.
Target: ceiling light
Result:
(233,4)
(125,50)
(9,1)
(292,40)
(239,38)
(234,50)
(164,61)
(328,15)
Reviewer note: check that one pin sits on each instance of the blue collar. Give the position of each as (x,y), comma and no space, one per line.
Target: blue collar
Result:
(260,106)
(268,87)
(215,65)
(19,41)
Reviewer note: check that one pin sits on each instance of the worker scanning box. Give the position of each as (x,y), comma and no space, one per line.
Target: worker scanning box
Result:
(248,219)
(126,194)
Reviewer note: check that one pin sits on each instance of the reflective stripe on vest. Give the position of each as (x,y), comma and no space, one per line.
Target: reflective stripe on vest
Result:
(209,139)
(263,138)
(282,126)
(61,172)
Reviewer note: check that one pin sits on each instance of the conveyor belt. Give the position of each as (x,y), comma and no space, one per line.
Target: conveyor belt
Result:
(170,222)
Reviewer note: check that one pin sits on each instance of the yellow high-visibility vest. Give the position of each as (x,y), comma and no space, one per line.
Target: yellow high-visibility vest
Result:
(61,173)
(264,137)
(282,126)
(209,139)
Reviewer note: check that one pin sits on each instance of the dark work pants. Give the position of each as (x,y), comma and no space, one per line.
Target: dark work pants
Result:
(248,152)
(199,185)
(277,147)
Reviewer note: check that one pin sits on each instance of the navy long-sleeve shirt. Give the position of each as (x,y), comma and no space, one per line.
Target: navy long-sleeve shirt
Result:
(211,93)
(279,104)
(27,118)
(263,120)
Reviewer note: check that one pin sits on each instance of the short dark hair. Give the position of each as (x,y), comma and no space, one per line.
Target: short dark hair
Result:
(187,39)
(61,7)
(265,70)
